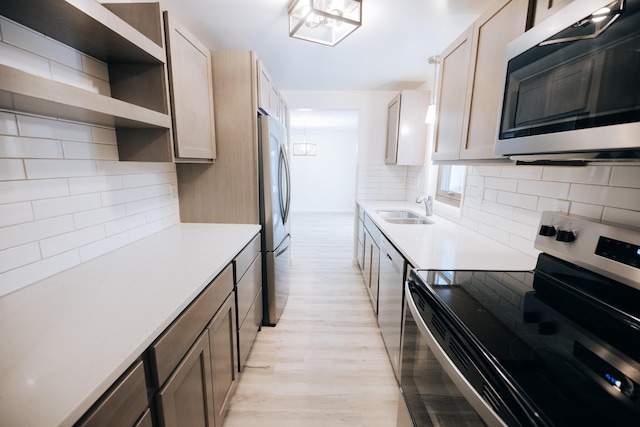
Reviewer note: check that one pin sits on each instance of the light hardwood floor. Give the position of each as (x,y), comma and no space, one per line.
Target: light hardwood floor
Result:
(324,364)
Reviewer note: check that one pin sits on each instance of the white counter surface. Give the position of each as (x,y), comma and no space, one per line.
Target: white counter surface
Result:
(66,339)
(444,244)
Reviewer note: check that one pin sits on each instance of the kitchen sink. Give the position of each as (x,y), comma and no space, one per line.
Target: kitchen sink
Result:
(403,217)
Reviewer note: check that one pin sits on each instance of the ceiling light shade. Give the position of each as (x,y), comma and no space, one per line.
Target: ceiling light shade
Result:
(324,21)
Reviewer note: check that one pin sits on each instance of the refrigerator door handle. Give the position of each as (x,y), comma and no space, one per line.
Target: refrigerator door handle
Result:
(284,167)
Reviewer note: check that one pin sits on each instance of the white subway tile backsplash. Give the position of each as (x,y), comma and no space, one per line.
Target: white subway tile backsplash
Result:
(505,184)
(125,224)
(95,68)
(15,213)
(68,241)
(139,180)
(29,148)
(95,184)
(61,183)
(47,208)
(11,169)
(85,150)
(72,77)
(157,190)
(622,216)
(163,212)
(558,190)
(103,246)
(119,197)
(493,171)
(522,172)
(8,123)
(41,127)
(20,234)
(20,191)
(585,209)
(617,197)
(14,57)
(99,216)
(112,167)
(31,273)
(38,44)
(524,201)
(54,168)
(494,233)
(18,256)
(104,135)
(595,175)
(625,176)
(498,209)
(490,195)
(547,204)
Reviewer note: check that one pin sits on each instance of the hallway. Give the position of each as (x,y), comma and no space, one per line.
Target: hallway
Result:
(324,364)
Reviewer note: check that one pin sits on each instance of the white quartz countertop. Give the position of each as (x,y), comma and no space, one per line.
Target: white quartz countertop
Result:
(66,339)
(445,245)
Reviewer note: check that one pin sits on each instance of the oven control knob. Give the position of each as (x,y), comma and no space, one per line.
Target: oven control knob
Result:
(547,328)
(547,230)
(566,236)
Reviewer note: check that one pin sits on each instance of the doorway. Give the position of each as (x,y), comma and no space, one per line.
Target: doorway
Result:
(324,149)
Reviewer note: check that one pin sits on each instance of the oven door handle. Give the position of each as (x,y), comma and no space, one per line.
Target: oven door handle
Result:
(484,410)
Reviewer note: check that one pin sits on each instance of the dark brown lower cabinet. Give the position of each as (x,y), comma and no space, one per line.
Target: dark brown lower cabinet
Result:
(123,404)
(223,345)
(187,397)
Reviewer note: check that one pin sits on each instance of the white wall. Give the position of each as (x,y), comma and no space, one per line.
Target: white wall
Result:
(376,181)
(64,196)
(325,182)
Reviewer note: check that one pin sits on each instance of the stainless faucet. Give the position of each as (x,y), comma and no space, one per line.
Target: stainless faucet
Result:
(428,204)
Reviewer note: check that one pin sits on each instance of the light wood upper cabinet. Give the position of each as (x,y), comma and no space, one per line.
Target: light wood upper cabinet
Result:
(406,128)
(191,94)
(452,97)
(128,38)
(472,84)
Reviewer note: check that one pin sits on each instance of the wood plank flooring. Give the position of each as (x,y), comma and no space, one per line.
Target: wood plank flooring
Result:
(324,364)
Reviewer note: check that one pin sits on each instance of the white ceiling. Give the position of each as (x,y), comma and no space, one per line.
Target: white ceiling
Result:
(389,52)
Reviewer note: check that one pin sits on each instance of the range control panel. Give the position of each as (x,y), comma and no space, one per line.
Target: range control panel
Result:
(608,249)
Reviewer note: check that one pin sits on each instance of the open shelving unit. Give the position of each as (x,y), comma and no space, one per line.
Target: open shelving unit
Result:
(129,38)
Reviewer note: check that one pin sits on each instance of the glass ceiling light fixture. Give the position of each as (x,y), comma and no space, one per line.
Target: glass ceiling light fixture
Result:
(324,21)
(431,110)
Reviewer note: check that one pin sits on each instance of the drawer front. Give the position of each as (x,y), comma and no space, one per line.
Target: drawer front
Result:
(245,258)
(249,330)
(174,343)
(248,287)
(373,230)
(123,404)
(145,421)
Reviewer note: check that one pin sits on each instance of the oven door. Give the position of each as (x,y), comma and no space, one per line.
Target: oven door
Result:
(433,389)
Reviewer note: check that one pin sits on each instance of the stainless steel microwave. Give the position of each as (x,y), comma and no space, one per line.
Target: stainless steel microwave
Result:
(572,86)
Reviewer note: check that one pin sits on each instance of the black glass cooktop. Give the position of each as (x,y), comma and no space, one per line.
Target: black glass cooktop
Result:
(574,363)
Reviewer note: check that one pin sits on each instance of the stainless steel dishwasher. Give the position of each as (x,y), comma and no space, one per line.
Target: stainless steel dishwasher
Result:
(390,300)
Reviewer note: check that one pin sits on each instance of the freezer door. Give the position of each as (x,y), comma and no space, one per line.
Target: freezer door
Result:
(275,181)
(277,282)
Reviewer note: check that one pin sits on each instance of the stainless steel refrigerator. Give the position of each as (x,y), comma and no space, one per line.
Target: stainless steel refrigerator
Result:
(275,203)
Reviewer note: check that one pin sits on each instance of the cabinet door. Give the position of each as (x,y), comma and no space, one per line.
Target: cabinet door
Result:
(546,8)
(123,404)
(498,26)
(187,397)
(393,123)
(264,88)
(191,90)
(375,274)
(452,98)
(223,341)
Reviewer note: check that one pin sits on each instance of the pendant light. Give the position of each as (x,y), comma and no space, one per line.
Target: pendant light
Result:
(431,110)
